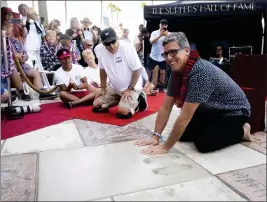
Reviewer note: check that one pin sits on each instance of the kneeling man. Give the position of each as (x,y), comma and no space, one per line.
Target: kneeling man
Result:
(72,79)
(119,62)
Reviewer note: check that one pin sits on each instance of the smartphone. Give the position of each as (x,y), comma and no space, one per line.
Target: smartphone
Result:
(15,21)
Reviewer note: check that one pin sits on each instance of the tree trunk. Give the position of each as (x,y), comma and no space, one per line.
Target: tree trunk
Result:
(66,14)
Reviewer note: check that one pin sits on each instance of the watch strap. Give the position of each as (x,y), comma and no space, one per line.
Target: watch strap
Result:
(159,135)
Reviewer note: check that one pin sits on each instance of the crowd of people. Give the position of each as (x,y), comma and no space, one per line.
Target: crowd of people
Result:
(104,68)
(76,59)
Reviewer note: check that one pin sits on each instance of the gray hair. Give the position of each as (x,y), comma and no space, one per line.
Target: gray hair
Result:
(125,30)
(179,37)
(84,41)
(22,6)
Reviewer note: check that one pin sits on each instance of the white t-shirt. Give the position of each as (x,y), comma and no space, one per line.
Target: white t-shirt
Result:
(157,48)
(88,35)
(119,66)
(33,40)
(74,75)
(92,74)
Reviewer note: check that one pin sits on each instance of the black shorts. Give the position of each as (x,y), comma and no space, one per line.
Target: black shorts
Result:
(153,63)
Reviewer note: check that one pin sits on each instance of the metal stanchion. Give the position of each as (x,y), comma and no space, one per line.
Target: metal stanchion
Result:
(4,46)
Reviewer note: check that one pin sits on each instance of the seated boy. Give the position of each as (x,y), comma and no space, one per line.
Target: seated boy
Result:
(92,73)
(72,80)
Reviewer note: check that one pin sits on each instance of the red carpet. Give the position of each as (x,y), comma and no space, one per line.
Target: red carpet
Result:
(47,117)
(85,113)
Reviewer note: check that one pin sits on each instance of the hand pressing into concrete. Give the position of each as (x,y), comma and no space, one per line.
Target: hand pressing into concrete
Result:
(154,150)
(154,140)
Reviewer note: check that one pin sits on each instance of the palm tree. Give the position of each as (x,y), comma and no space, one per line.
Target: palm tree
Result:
(112,7)
(143,4)
(66,14)
(117,10)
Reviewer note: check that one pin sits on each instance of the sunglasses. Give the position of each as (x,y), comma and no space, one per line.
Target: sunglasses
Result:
(109,43)
(89,44)
(172,53)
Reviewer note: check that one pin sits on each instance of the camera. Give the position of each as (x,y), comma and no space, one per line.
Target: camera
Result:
(164,29)
(15,21)
(28,109)
(17,112)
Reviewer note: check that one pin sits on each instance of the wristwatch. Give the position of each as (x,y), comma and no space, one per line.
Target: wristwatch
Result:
(157,134)
(131,88)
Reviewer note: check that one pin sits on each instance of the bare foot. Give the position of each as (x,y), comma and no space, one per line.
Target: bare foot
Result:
(247,136)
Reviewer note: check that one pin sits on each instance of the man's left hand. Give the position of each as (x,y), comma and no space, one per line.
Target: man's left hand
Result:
(154,150)
(127,94)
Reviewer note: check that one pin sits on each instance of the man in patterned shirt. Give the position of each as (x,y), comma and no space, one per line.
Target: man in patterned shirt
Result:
(214,110)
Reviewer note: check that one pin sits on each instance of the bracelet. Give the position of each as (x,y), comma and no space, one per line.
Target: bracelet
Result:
(159,135)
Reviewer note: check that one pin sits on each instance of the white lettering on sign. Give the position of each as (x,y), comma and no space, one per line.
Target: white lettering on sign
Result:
(204,8)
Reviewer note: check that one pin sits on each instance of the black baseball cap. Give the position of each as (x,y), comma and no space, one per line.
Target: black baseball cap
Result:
(108,35)
(63,53)
(164,21)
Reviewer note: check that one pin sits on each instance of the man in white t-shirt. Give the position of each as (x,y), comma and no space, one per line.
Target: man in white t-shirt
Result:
(72,80)
(155,61)
(118,60)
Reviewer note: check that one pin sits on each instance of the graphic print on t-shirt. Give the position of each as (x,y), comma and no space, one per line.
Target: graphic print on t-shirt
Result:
(118,59)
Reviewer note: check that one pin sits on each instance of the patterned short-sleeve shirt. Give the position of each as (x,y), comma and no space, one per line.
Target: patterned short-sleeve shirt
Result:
(214,90)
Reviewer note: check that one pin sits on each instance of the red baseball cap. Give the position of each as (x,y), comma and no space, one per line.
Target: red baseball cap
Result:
(63,53)
(5,10)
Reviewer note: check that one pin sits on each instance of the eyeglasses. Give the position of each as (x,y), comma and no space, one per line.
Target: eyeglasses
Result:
(89,44)
(109,43)
(172,53)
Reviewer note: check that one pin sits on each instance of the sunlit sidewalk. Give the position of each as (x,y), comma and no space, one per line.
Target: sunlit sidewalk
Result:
(85,161)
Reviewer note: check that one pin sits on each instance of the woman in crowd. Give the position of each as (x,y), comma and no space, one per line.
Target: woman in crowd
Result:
(54,25)
(97,32)
(76,33)
(12,73)
(140,48)
(22,56)
(48,52)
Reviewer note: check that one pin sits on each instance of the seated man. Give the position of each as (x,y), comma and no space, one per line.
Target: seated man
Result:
(71,78)
(48,52)
(119,62)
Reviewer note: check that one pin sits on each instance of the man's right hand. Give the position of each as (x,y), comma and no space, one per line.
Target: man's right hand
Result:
(153,141)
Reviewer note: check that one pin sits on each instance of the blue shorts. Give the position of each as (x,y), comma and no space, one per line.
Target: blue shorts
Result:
(2,90)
